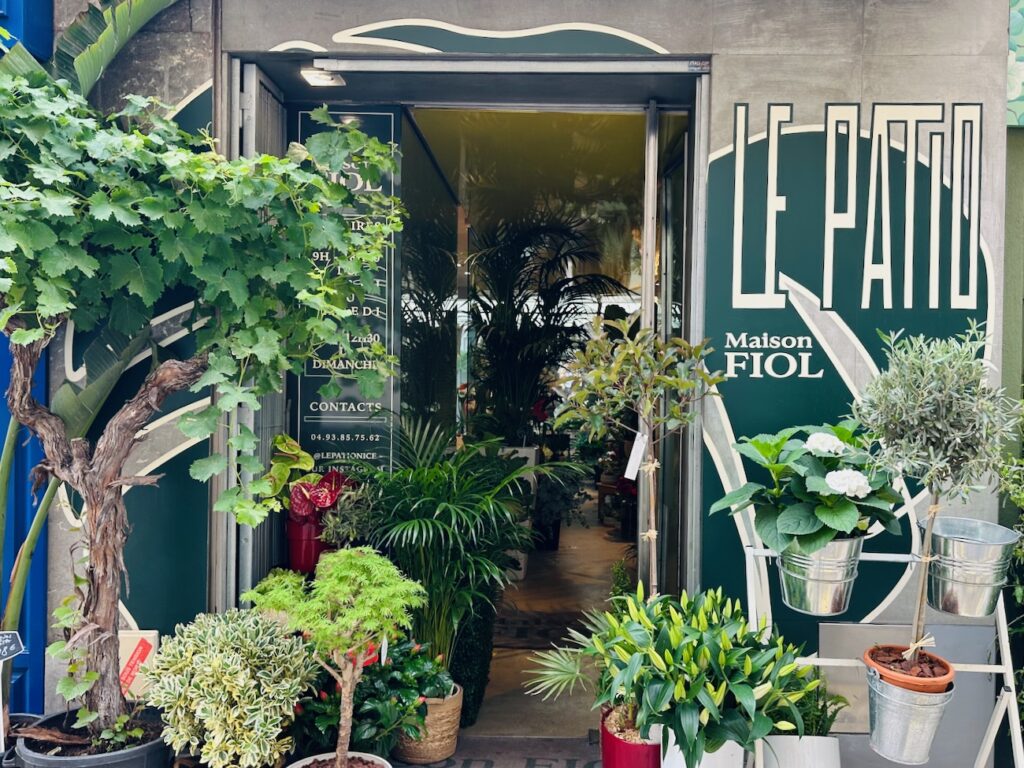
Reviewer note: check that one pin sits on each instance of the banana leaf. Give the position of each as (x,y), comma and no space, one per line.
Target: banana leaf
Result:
(106,358)
(87,47)
(18,61)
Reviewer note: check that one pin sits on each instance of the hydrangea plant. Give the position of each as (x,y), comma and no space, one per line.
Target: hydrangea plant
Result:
(824,485)
(226,685)
(356,601)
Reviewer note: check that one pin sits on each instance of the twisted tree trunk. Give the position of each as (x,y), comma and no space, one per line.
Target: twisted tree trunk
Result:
(96,474)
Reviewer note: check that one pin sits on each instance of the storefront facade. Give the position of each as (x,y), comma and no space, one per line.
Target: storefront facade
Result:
(844,170)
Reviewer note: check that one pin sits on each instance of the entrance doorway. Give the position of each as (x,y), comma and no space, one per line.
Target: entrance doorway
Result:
(537,200)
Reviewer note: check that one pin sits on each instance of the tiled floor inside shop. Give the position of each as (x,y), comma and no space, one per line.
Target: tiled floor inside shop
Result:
(534,613)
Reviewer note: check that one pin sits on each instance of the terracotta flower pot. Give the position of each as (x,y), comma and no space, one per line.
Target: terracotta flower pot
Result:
(619,753)
(910,682)
(304,545)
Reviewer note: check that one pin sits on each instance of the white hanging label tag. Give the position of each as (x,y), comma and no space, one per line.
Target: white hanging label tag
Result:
(636,456)
(384,651)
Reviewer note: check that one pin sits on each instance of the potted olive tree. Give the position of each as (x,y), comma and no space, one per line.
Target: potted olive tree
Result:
(826,493)
(135,213)
(226,686)
(355,604)
(684,682)
(941,422)
(623,369)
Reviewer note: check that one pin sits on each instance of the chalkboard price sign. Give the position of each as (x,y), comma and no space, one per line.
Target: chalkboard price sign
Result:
(10,646)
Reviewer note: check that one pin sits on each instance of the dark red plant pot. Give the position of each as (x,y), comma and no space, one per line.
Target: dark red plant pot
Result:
(304,545)
(616,753)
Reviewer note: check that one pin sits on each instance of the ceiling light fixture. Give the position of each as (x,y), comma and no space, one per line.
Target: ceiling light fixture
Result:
(321,79)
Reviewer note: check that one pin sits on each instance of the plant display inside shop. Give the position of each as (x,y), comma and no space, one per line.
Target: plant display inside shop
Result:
(816,748)
(626,370)
(531,297)
(940,421)
(313,503)
(226,686)
(559,500)
(391,702)
(356,602)
(692,667)
(133,211)
(825,492)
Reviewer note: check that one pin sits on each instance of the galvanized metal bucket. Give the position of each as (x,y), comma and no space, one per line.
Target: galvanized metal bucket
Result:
(820,584)
(971,559)
(903,723)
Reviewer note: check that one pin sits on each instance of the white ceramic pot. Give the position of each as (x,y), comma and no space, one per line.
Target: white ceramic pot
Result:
(806,752)
(729,756)
(330,756)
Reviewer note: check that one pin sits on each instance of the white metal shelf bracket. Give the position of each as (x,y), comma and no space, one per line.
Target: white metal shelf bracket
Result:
(1005,702)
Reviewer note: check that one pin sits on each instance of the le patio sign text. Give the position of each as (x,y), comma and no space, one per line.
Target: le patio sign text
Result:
(825,227)
(842,188)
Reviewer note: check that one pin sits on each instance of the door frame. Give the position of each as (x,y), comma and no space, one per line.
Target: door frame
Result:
(223,558)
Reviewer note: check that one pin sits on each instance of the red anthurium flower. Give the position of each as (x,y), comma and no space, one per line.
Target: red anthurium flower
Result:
(301,508)
(326,492)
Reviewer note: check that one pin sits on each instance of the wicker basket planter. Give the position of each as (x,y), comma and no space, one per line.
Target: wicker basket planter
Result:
(440,733)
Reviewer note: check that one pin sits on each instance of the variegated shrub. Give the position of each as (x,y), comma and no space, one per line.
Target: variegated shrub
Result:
(227,685)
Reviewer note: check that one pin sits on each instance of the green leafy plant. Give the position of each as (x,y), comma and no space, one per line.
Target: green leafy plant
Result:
(939,420)
(623,370)
(104,219)
(448,523)
(356,601)
(818,709)
(226,685)
(531,295)
(560,498)
(693,666)
(390,700)
(622,582)
(823,486)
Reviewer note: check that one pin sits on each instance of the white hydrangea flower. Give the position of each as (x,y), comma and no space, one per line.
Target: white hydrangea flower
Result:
(825,444)
(849,482)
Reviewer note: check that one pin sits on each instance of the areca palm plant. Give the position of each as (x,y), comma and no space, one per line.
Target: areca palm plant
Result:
(447,516)
(532,295)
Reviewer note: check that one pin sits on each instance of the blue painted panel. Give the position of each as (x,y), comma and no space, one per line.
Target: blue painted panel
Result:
(28,689)
(31,22)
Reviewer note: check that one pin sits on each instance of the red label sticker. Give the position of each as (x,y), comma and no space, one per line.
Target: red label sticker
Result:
(136,660)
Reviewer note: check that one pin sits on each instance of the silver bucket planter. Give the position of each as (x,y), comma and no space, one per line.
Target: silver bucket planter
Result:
(820,584)
(903,723)
(971,559)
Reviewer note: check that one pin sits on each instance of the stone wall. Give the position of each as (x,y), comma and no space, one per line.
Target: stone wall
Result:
(168,59)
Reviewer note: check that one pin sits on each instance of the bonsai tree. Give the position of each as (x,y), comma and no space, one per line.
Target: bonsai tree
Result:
(693,666)
(940,421)
(357,601)
(824,486)
(623,369)
(106,219)
(226,685)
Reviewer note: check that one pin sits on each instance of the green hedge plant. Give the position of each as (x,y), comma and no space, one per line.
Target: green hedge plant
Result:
(693,666)
(355,603)
(824,484)
(226,685)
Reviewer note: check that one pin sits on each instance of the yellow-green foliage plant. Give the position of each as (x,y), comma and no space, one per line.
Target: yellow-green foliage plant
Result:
(691,665)
(227,685)
(356,601)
